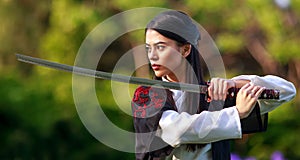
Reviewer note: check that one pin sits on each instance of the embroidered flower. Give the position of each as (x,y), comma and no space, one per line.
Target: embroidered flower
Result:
(141,95)
(148,101)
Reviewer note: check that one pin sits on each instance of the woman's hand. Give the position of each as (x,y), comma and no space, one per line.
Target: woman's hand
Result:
(247,98)
(218,88)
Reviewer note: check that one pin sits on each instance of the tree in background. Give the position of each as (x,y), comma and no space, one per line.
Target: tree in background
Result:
(38,118)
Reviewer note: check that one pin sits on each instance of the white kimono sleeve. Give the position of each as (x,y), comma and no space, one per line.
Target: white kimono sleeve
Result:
(206,127)
(286,88)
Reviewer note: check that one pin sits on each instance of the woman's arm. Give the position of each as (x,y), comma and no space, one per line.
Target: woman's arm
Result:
(286,88)
(178,128)
(246,98)
(218,89)
(206,127)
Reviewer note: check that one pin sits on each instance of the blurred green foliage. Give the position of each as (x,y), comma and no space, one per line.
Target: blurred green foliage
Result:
(38,118)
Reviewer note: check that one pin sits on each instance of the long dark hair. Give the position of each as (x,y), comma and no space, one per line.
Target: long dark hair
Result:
(158,24)
(191,99)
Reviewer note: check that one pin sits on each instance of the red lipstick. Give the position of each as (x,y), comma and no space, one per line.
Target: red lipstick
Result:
(155,67)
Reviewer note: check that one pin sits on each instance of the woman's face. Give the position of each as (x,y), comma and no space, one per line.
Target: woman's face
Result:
(165,56)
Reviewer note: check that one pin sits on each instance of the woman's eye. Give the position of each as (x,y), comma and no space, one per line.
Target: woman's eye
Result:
(160,47)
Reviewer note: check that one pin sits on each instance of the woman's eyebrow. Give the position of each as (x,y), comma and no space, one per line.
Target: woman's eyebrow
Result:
(161,42)
(157,43)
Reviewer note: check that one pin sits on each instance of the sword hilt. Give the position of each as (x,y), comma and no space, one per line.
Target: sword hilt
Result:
(266,93)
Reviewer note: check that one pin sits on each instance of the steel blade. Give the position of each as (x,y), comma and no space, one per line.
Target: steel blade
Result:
(114,77)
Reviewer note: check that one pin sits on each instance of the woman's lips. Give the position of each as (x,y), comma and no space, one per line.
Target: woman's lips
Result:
(155,67)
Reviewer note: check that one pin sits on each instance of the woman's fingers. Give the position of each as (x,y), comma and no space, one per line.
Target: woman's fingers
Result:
(218,88)
(252,90)
(222,89)
(210,91)
(259,91)
(247,98)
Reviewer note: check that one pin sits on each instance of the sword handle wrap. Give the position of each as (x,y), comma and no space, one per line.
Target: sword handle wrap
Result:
(266,94)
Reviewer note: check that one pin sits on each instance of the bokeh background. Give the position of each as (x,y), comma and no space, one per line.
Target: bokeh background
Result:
(38,118)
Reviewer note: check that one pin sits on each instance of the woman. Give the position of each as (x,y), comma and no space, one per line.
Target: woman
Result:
(191,127)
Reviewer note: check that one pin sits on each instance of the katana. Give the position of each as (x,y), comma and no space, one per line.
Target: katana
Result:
(202,89)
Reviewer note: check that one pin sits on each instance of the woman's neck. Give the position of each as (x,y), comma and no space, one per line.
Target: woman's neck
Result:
(171,78)
(179,76)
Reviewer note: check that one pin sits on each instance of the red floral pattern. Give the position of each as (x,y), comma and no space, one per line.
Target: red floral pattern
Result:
(147,101)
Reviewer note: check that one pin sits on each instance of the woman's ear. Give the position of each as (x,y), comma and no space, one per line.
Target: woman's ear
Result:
(186,50)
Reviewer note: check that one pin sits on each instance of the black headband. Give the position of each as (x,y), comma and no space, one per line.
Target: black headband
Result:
(178,23)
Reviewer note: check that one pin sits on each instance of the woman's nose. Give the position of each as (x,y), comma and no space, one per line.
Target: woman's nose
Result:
(153,55)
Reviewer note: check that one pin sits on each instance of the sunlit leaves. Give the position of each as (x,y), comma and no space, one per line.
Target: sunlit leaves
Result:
(285,50)
(126,5)
(70,23)
(230,43)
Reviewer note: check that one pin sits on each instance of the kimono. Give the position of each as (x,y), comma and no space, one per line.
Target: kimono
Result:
(173,130)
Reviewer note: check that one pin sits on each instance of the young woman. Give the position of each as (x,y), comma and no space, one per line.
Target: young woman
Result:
(191,127)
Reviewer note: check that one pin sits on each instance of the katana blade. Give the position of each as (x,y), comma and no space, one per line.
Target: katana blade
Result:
(114,77)
(202,89)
